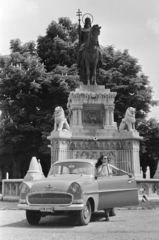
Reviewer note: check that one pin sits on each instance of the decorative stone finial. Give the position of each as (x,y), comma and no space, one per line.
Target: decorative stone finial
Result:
(156,176)
(33,167)
(40,168)
(34,173)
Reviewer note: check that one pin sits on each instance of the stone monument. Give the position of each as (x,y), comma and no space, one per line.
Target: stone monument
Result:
(92,128)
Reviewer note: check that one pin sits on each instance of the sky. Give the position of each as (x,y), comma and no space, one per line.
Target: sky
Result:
(126,24)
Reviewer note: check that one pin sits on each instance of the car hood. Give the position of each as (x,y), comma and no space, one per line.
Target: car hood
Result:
(59,182)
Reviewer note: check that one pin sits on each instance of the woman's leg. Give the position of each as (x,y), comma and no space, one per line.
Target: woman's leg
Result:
(112,212)
(106,214)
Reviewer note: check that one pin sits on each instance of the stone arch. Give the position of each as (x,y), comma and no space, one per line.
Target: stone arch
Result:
(72,146)
(106,146)
(118,145)
(155,189)
(143,189)
(101,145)
(78,145)
(112,145)
(84,146)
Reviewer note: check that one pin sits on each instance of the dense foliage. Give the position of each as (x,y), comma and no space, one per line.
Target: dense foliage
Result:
(149,147)
(122,74)
(34,79)
(28,97)
(59,46)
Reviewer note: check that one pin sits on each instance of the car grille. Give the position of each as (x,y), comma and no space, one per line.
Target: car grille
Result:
(50,198)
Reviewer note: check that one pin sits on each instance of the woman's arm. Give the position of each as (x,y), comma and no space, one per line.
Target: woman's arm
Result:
(121,170)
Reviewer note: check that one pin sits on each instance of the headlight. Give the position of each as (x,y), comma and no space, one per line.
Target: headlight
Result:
(75,188)
(24,188)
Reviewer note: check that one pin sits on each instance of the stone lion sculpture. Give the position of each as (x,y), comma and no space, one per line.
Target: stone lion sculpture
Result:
(60,122)
(128,122)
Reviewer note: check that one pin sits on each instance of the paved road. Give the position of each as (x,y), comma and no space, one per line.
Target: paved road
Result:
(127,225)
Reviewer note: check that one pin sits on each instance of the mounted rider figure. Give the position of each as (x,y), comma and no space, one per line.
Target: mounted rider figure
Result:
(83,40)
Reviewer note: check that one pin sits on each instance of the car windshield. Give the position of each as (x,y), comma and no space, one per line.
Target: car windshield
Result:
(71,168)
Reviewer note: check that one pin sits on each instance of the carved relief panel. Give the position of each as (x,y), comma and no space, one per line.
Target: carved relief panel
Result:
(86,154)
(93,115)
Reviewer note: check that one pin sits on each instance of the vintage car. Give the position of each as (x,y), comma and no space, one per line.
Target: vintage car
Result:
(73,187)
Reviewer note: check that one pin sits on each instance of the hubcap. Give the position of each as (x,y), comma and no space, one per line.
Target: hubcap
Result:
(86,212)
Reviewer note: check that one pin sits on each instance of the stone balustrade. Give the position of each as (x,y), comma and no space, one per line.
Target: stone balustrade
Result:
(10,189)
(148,187)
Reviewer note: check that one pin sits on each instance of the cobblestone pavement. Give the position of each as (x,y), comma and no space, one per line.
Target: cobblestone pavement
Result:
(137,224)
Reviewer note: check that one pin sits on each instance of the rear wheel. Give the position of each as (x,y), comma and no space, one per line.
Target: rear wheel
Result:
(84,216)
(33,217)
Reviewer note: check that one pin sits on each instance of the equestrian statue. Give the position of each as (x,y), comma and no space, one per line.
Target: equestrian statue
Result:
(89,55)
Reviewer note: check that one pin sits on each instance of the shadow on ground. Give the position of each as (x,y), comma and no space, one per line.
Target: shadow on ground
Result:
(4,205)
(55,222)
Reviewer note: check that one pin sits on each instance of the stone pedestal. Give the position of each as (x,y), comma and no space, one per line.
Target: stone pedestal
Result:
(94,132)
(92,111)
(60,141)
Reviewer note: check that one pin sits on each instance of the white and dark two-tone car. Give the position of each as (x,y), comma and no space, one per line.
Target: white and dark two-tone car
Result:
(72,187)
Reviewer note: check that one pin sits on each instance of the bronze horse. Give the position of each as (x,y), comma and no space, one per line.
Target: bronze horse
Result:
(91,55)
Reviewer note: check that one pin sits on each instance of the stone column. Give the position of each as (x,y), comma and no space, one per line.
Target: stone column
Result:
(74,110)
(106,123)
(111,110)
(110,117)
(79,115)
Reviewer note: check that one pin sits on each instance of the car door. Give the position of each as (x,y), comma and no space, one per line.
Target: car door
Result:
(117,191)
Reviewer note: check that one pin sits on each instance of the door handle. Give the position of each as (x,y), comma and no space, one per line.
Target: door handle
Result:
(129,181)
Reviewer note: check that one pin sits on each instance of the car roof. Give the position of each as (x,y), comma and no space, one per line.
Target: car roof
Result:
(92,161)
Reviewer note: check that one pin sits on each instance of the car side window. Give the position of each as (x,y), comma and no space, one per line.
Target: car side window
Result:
(56,170)
(65,170)
(71,168)
(84,170)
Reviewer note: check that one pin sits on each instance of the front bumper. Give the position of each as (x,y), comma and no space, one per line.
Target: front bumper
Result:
(72,207)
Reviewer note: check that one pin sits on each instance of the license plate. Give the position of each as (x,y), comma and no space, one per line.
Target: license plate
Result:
(47,209)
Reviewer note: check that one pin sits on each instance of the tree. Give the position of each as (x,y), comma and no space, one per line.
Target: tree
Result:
(20,85)
(59,46)
(28,97)
(17,46)
(122,73)
(149,150)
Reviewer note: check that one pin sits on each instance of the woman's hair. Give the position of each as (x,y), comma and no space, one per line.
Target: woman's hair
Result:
(99,162)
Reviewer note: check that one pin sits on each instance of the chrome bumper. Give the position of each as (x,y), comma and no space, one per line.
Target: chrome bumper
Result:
(72,207)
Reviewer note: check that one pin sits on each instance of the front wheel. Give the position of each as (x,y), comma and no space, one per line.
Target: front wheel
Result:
(84,216)
(33,217)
